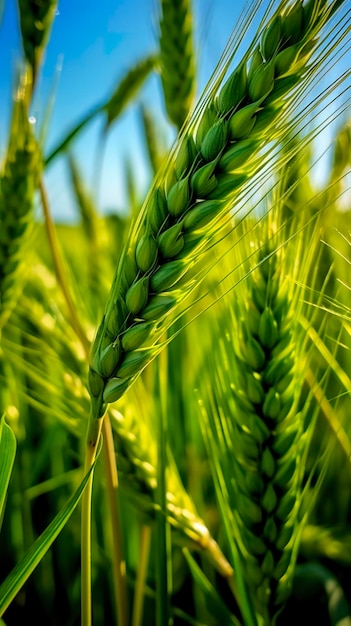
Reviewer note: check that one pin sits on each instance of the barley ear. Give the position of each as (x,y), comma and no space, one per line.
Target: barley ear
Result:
(267,480)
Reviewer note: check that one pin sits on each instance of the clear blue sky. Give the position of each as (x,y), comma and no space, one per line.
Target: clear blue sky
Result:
(96,43)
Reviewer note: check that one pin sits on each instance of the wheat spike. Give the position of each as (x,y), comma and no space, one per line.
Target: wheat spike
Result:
(18,183)
(257,363)
(177,58)
(186,204)
(36,17)
(267,447)
(137,462)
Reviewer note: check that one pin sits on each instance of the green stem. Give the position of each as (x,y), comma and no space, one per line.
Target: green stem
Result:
(90,453)
(145,537)
(118,562)
(163,538)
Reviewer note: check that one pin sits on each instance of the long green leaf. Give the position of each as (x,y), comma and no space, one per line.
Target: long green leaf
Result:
(21,572)
(7,456)
(126,90)
(163,571)
(66,141)
(128,87)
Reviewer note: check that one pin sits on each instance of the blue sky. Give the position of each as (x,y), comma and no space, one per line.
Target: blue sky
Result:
(94,44)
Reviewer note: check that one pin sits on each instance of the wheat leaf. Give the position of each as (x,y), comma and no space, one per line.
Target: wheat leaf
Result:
(7,457)
(24,568)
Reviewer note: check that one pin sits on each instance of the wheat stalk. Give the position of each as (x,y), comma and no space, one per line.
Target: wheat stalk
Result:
(204,174)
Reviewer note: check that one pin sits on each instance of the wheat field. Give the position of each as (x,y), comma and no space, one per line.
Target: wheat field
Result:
(175,379)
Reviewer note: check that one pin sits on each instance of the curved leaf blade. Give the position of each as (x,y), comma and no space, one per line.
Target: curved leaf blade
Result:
(24,568)
(8,447)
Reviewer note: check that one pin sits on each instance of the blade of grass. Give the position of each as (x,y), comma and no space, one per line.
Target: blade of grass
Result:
(163,537)
(113,106)
(24,568)
(138,605)
(7,457)
(67,140)
(118,562)
(89,463)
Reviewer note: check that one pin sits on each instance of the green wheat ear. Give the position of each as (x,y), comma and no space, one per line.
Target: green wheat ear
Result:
(177,58)
(189,201)
(36,18)
(18,183)
(137,465)
(257,362)
(267,447)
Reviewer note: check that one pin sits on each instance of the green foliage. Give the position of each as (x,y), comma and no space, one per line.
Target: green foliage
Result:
(8,453)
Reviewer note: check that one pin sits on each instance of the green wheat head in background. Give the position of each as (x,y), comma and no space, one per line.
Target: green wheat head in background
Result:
(175,439)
